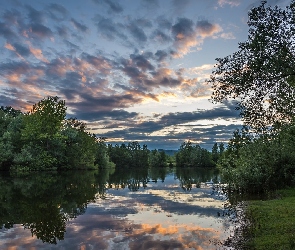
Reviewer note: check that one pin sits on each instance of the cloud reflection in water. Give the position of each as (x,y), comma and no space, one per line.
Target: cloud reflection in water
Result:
(160,216)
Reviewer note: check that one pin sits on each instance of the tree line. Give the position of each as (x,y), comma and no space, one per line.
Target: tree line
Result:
(44,139)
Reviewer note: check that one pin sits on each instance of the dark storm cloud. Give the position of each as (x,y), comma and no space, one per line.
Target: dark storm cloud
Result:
(41,31)
(79,26)
(113,6)
(183,28)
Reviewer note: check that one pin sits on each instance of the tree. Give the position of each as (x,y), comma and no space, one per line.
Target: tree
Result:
(193,156)
(157,158)
(43,142)
(45,120)
(81,148)
(261,74)
(215,154)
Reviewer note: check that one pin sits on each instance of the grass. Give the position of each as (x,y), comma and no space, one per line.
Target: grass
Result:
(272,222)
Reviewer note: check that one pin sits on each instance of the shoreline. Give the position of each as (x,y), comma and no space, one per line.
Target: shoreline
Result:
(265,224)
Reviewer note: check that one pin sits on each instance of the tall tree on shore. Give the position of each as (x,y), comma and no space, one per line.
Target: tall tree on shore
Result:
(261,74)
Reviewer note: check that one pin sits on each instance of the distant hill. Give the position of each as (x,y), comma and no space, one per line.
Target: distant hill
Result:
(168,151)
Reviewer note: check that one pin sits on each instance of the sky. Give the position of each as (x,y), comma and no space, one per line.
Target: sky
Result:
(132,70)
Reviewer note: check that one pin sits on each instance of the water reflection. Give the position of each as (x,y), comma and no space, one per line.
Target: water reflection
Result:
(126,209)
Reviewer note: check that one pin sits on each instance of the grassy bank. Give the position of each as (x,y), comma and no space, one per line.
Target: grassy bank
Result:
(273,222)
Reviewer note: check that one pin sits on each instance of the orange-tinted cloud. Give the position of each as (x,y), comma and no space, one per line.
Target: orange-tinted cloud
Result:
(38,54)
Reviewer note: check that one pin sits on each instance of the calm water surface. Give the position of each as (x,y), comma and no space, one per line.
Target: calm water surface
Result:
(126,209)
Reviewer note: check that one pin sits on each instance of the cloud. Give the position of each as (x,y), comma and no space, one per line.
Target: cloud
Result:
(160,36)
(170,130)
(207,29)
(228,35)
(40,30)
(91,103)
(184,35)
(79,26)
(188,35)
(113,6)
(62,31)
(137,32)
(141,61)
(115,115)
(163,23)
(6,32)
(110,30)
(232,3)
(183,28)
(34,15)
(38,54)
(161,55)
(20,50)
(57,12)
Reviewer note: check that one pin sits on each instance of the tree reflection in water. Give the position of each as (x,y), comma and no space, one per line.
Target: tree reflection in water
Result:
(44,203)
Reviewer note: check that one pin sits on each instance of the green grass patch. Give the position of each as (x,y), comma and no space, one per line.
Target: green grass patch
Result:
(273,222)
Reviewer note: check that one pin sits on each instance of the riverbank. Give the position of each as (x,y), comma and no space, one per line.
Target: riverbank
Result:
(272,223)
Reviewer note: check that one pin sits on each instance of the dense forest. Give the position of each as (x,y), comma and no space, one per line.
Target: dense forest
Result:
(44,139)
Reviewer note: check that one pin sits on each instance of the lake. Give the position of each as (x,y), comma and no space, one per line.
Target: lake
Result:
(106,209)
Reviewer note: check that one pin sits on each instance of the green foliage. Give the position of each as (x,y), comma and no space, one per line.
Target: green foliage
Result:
(80,147)
(261,73)
(262,163)
(43,139)
(33,157)
(157,159)
(102,157)
(132,155)
(11,123)
(272,222)
(193,156)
